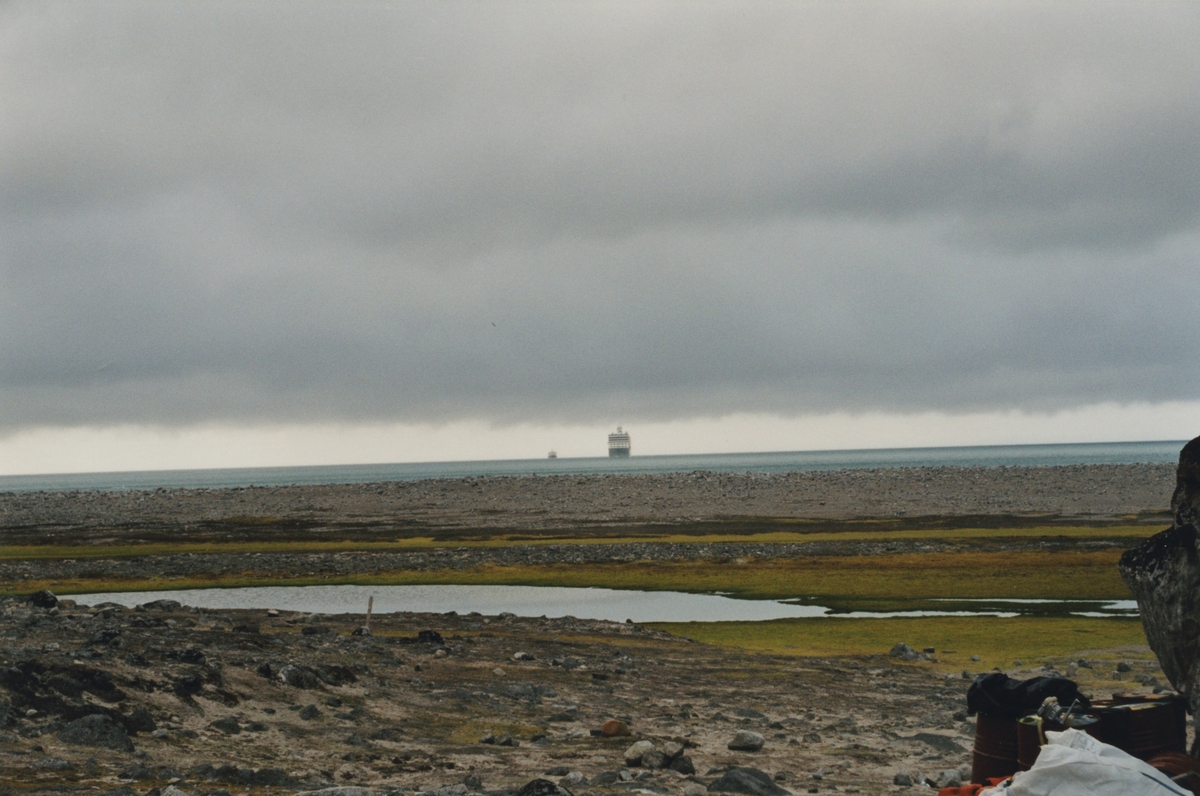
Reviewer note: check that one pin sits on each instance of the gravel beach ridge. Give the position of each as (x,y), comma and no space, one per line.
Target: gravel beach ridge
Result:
(562,503)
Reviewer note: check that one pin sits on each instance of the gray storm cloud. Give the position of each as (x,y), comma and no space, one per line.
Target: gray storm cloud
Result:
(565,211)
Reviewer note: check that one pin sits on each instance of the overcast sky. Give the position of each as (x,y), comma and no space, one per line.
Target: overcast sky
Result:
(478,219)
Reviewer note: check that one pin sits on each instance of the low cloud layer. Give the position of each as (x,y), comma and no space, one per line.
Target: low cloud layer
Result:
(576,212)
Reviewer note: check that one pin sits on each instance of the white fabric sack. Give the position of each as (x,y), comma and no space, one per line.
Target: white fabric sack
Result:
(1073,763)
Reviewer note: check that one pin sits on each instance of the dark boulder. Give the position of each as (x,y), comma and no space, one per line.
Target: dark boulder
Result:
(140,720)
(23,677)
(108,636)
(227,724)
(315,630)
(750,781)
(136,772)
(188,685)
(67,686)
(1163,573)
(43,599)
(160,605)
(542,787)
(332,674)
(299,677)
(192,655)
(271,778)
(96,730)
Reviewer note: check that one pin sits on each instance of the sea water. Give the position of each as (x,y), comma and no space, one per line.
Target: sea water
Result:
(973,456)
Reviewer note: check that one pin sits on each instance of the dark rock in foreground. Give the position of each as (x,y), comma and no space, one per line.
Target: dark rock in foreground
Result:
(96,730)
(750,781)
(1164,575)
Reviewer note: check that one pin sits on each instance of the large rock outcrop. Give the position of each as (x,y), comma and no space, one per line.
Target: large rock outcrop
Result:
(1164,575)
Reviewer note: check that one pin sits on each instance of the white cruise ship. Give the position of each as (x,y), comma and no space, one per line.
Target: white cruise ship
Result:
(618,444)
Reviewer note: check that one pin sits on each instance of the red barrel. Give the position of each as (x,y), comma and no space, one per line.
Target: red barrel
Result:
(996,751)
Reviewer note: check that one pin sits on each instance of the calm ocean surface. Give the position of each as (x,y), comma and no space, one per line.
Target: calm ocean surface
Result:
(981,456)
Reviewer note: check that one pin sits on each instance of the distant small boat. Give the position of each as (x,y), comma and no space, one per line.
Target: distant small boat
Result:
(552,455)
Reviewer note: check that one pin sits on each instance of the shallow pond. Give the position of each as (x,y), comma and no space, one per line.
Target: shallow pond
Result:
(610,604)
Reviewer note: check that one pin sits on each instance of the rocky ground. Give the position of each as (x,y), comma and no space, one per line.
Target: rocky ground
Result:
(105,699)
(165,699)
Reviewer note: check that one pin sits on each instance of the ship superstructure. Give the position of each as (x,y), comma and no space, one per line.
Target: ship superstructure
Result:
(618,444)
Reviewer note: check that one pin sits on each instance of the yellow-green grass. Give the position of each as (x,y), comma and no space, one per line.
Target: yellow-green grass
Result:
(507,540)
(1072,574)
(997,641)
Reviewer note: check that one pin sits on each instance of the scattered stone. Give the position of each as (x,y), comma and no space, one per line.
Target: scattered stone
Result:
(136,773)
(488,739)
(654,760)
(683,764)
(1124,667)
(507,740)
(524,656)
(52,764)
(542,787)
(160,605)
(904,652)
(746,741)
(228,725)
(950,778)
(192,655)
(310,712)
(633,755)
(902,779)
(614,728)
(315,630)
(299,677)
